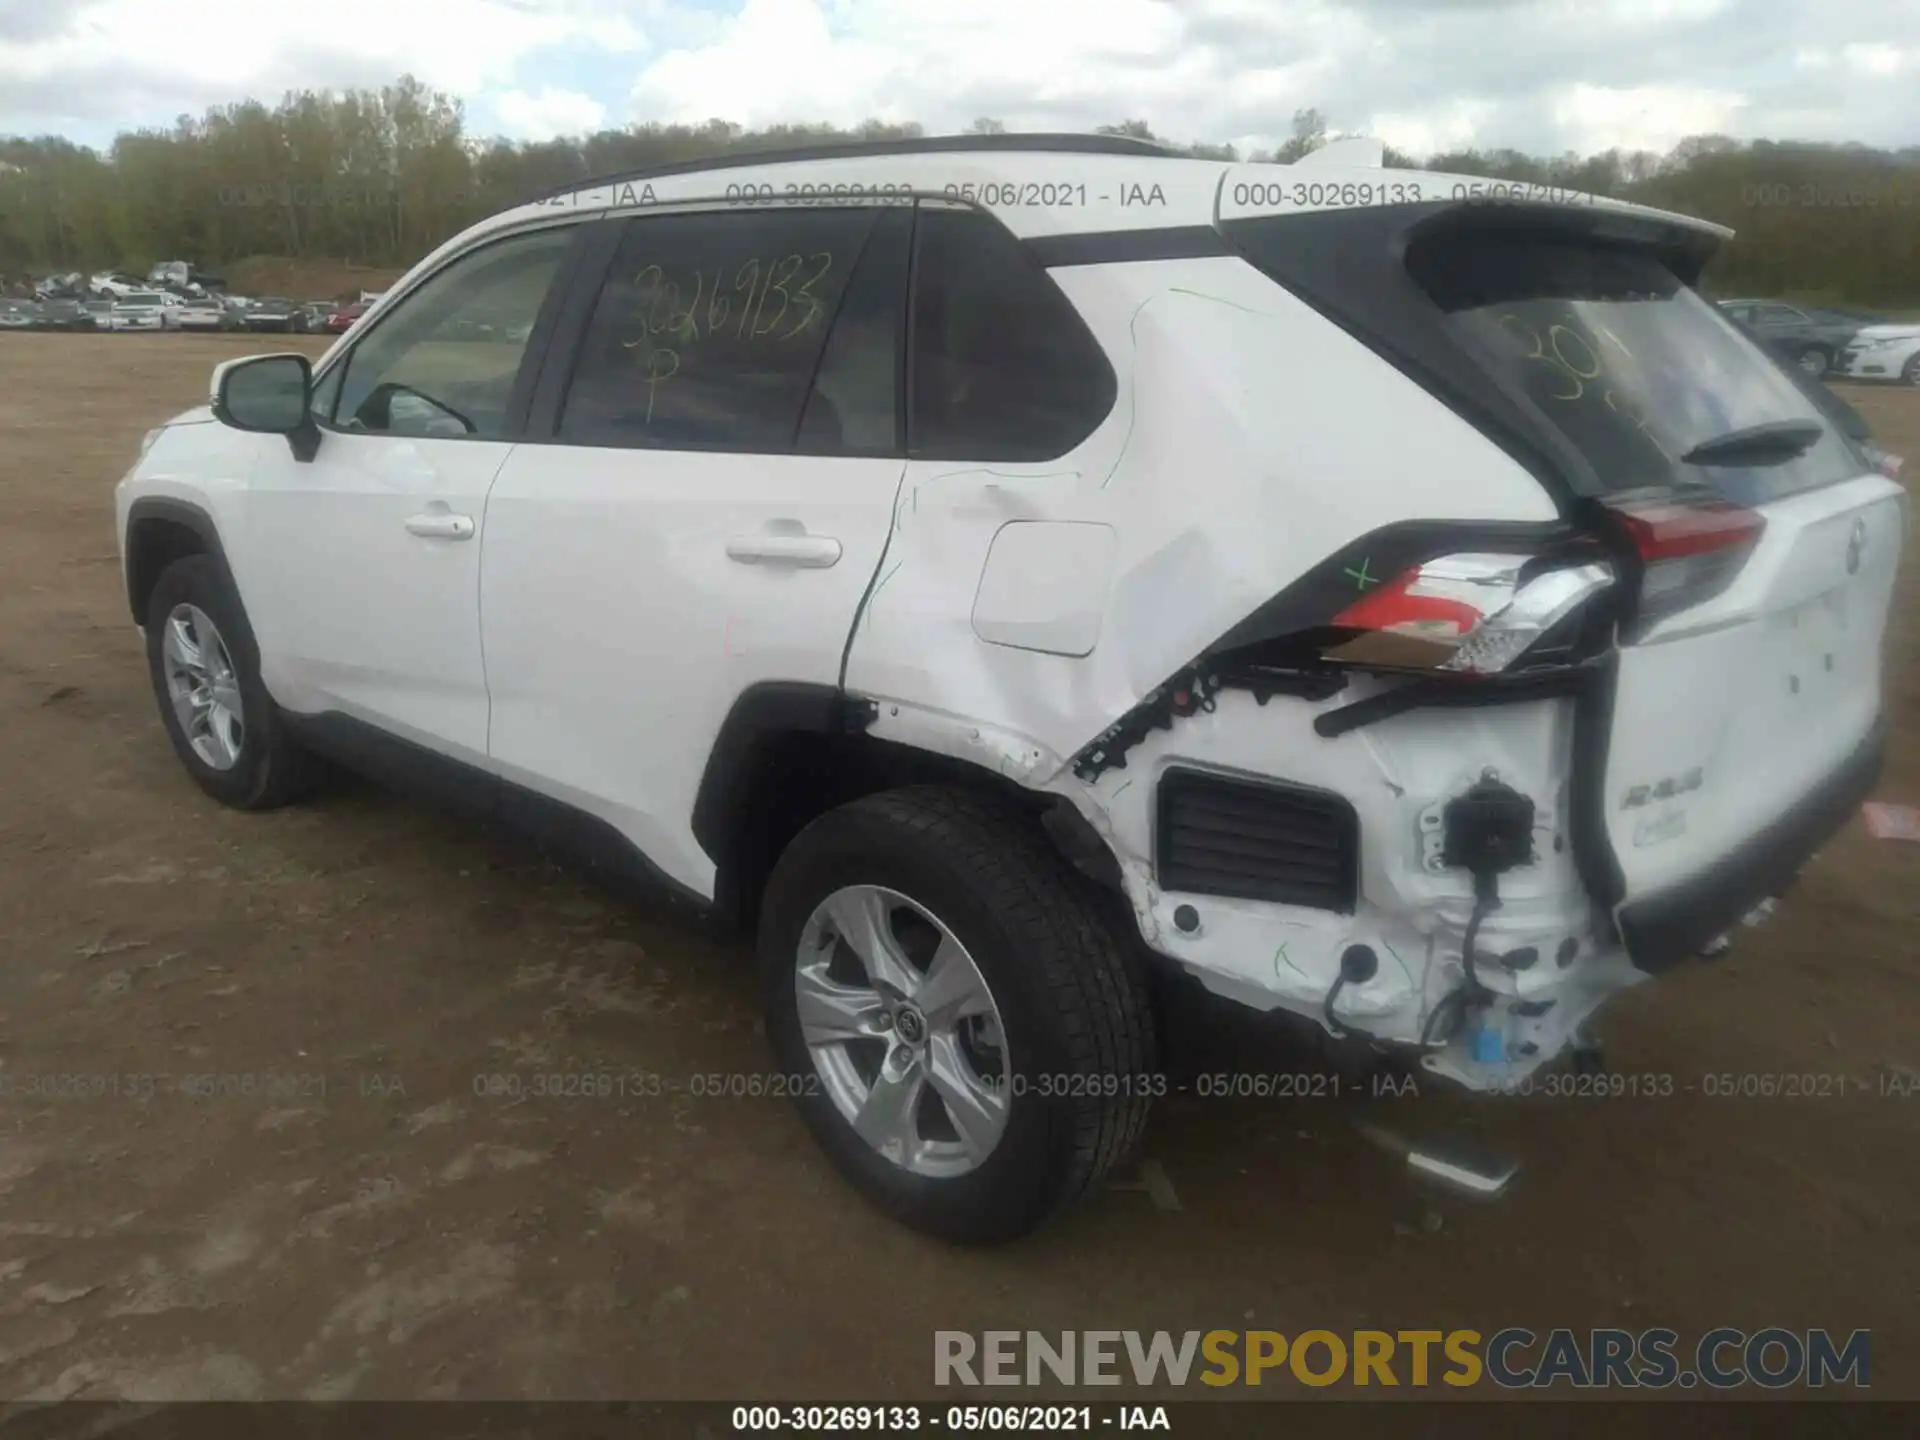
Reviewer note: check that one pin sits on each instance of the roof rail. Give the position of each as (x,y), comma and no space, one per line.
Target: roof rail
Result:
(1067,144)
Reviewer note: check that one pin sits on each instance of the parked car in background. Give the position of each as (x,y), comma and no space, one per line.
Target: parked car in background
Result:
(63,314)
(341,320)
(1811,339)
(180,275)
(196,315)
(141,310)
(1883,352)
(275,314)
(314,315)
(20,315)
(72,285)
(117,285)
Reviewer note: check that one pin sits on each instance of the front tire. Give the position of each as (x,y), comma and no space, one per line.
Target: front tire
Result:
(205,669)
(968,1037)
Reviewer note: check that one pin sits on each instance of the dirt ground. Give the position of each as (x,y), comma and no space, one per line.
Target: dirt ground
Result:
(381,1228)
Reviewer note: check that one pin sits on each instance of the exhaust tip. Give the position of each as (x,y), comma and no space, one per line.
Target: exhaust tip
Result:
(1471,1174)
(1458,1167)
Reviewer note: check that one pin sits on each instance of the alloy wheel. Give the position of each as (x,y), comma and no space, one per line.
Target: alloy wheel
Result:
(202,686)
(904,1031)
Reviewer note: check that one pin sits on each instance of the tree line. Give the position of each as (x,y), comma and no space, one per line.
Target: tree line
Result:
(378,177)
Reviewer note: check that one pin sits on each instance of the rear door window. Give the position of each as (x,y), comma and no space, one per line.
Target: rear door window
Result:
(1629,364)
(710,330)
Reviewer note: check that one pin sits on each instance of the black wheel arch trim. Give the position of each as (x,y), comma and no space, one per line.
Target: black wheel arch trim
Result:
(760,715)
(174,512)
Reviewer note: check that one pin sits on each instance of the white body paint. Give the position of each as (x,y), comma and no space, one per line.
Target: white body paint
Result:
(593,638)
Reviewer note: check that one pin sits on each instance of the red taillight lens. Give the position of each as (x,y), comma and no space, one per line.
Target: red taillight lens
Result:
(1470,613)
(1672,532)
(1690,552)
(1398,606)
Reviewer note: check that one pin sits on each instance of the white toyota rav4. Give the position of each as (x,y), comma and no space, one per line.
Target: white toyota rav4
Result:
(1012,573)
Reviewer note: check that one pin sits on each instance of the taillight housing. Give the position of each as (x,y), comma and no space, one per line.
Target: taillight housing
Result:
(1473,613)
(1884,461)
(1689,551)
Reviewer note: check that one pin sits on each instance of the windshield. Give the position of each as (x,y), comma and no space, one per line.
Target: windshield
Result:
(1632,366)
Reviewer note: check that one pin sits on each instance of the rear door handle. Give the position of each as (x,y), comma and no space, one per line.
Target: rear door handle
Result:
(438,525)
(813,552)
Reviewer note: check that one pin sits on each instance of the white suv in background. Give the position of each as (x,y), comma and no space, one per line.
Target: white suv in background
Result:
(1017,575)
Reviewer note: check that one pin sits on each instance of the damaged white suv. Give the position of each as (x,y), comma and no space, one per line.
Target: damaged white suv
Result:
(1010,570)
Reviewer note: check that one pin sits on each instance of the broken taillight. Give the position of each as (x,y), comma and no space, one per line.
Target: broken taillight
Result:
(1884,461)
(1689,552)
(1473,614)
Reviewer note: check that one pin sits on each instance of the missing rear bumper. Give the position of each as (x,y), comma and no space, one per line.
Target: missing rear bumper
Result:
(1677,924)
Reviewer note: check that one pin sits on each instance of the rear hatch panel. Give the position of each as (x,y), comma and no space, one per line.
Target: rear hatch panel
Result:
(1728,715)
(1574,337)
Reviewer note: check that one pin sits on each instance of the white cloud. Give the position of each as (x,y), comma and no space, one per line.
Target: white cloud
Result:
(113,50)
(1880,59)
(548,114)
(1649,117)
(1537,75)
(1448,127)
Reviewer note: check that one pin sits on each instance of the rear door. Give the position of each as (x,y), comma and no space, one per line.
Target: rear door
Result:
(703,497)
(1769,545)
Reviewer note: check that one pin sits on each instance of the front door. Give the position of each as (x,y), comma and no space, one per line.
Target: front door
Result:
(373,607)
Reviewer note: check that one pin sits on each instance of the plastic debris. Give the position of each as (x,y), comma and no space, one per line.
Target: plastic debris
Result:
(1891,822)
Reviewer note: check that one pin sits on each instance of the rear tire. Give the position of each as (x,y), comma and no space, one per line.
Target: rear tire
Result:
(1816,360)
(1058,1008)
(205,669)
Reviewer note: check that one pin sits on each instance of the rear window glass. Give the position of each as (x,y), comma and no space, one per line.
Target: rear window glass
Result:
(1631,365)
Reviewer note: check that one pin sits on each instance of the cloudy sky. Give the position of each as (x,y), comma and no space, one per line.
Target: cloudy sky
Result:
(1539,75)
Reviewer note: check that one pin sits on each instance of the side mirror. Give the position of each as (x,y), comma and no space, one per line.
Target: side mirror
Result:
(269,395)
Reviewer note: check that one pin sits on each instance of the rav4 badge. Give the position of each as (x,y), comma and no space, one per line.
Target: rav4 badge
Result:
(1665,789)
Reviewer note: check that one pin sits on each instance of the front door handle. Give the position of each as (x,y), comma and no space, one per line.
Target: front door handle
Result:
(438,525)
(813,552)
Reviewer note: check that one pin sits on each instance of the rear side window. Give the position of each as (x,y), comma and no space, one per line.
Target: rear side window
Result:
(709,333)
(1003,368)
(1629,364)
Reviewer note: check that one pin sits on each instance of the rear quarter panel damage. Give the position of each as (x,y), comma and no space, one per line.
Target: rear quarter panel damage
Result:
(1251,438)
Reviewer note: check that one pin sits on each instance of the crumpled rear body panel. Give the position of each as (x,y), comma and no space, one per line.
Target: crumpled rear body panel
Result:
(1251,440)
